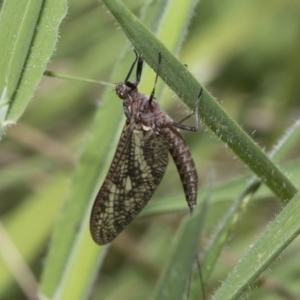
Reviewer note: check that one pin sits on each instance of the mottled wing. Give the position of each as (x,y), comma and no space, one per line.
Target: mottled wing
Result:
(138,167)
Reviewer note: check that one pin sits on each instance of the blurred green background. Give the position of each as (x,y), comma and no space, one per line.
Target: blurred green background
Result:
(246,53)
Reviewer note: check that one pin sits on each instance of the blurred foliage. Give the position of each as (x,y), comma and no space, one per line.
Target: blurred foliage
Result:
(246,53)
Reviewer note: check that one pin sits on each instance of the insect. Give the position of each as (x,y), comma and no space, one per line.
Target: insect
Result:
(140,160)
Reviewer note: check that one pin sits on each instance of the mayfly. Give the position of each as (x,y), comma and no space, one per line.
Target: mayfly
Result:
(140,160)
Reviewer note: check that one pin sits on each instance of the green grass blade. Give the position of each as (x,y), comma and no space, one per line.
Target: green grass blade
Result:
(28,33)
(225,227)
(277,237)
(231,218)
(17,24)
(173,281)
(187,88)
(182,12)
(248,68)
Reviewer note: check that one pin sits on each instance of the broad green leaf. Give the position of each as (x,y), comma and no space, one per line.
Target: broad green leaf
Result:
(28,34)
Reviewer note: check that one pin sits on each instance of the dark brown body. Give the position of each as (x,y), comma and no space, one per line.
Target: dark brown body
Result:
(184,163)
(139,164)
(150,115)
(141,159)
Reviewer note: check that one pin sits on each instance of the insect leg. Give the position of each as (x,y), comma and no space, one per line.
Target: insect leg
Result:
(132,66)
(158,68)
(195,112)
(139,70)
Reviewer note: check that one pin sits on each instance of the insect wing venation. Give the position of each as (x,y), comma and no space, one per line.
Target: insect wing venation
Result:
(138,166)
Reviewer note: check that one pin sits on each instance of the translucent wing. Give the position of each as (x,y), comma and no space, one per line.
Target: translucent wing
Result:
(138,167)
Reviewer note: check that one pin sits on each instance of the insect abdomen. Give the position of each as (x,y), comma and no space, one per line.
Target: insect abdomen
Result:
(184,163)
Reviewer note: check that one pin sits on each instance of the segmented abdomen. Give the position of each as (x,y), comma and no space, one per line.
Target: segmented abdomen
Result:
(184,163)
